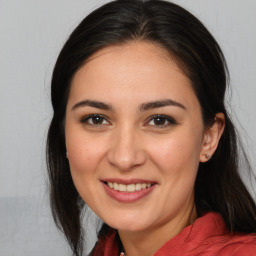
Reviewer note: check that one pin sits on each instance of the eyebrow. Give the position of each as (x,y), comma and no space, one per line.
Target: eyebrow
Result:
(143,107)
(92,103)
(160,103)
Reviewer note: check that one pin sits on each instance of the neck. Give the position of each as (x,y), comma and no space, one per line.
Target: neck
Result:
(147,242)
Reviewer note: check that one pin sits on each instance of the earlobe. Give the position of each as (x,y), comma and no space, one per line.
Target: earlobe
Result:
(212,136)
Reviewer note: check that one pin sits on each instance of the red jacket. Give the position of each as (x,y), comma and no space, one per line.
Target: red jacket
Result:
(207,236)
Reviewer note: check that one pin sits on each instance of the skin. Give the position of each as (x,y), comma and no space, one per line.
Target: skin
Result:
(129,143)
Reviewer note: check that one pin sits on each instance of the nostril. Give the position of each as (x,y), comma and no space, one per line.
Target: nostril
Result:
(125,159)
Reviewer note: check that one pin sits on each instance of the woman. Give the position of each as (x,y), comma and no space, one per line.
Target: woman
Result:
(141,135)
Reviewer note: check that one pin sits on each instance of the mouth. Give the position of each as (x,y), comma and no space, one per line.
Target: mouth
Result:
(129,187)
(128,190)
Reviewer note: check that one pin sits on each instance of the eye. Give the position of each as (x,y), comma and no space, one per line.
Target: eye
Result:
(161,120)
(95,119)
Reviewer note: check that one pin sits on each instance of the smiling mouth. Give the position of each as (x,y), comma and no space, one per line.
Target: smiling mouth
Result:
(129,187)
(128,191)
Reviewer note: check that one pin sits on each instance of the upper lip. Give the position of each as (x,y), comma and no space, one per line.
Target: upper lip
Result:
(129,181)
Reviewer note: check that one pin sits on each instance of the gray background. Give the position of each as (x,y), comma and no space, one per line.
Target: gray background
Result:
(32,33)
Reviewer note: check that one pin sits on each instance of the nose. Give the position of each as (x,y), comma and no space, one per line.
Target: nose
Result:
(126,150)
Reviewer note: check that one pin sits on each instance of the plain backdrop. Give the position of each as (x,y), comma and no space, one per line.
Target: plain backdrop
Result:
(32,33)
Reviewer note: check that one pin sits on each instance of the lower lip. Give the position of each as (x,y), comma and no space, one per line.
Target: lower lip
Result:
(127,197)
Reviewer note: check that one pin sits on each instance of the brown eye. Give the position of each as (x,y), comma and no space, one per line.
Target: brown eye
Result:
(95,120)
(161,120)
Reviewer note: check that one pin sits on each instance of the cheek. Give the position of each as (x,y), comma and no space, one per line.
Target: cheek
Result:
(176,153)
(84,156)
(177,160)
(176,150)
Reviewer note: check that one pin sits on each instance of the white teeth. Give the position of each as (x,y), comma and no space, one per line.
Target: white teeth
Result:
(122,187)
(110,184)
(138,186)
(130,187)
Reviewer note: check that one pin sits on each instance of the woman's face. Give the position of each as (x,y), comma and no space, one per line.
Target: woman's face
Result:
(134,136)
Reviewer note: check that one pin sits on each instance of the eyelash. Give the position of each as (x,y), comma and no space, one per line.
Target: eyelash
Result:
(85,120)
(164,118)
(168,119)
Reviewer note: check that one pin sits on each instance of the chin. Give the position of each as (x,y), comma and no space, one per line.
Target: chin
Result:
(129,223)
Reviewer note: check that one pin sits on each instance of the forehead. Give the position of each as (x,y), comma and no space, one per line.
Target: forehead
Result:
(137,71)
(140,47)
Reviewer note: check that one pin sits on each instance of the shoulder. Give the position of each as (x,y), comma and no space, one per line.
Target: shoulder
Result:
(239,245)
(208,236)
(217,240)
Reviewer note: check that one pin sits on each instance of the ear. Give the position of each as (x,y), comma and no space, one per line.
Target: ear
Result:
(211,137)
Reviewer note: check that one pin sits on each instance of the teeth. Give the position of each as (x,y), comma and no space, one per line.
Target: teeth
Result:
(122,187)
(138,186)
(110,184)
(128,188)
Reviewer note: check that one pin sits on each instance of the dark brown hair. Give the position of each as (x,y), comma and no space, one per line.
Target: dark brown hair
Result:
(218,186)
